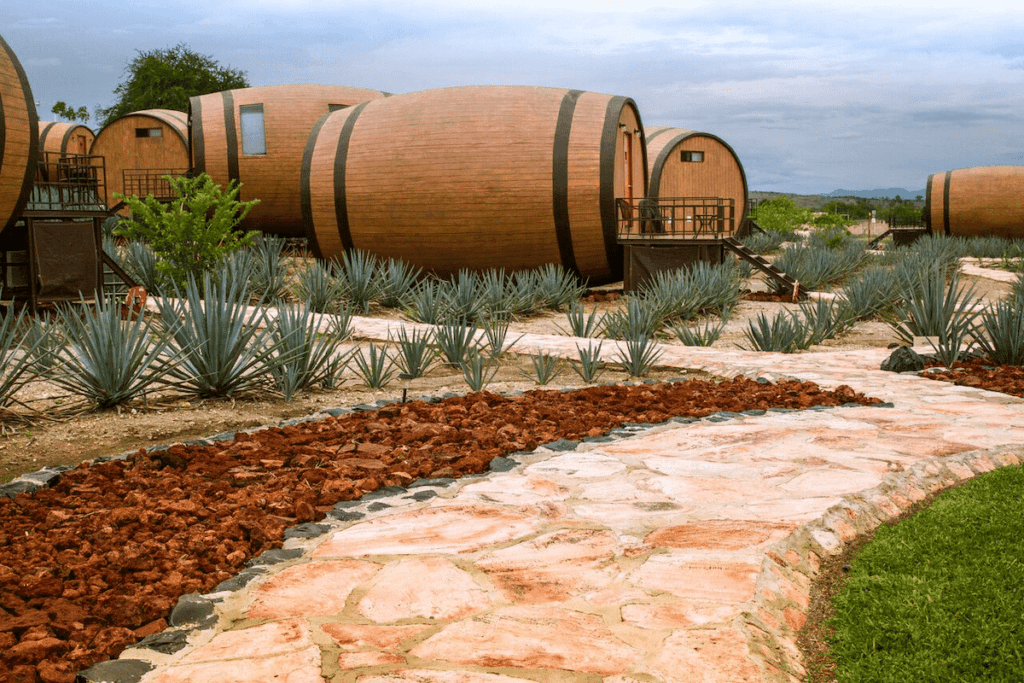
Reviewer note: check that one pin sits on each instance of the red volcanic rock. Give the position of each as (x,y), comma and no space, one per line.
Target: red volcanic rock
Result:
(98,561)
(982,374)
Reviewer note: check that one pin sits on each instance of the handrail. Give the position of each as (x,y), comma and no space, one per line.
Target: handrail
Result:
(676,218)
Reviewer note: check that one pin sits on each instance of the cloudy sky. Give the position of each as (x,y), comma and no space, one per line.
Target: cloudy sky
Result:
(812,96)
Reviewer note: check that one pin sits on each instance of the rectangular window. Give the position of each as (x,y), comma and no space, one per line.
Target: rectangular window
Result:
(254,134)
(149,132)
(336,107)
(691,156)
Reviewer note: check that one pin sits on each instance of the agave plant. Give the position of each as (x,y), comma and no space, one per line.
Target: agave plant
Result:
(395,278)
(817,266)
(765,242)
(545,367)
(1000,333)
(700,335)
(478,370)
(556,287)
(786,332)
(637,356)
(868,293)
(358,271)
(303,352)
(270,273)
(589,364)
(319,286)
(465,300)
(581,323)
(495,333)
(104,359)
(225,347)
(139,261)
(20,351)
(374,366)
(825,319)
(639,320)
(685,293)
(428,302)
(415,353)
(934,305)
(456,340)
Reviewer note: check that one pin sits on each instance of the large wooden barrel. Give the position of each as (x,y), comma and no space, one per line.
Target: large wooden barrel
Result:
(57,140)
(477,177)
(687,163)
(139,148)
(256,136)
(63,138)
(19,137)
(974,202)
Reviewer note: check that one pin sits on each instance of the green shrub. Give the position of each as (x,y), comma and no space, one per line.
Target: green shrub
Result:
(781,215)
(190,234)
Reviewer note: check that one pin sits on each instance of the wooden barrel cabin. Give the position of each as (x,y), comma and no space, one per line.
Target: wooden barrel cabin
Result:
(139,149)
(59,140)
(19,137)
(477,177)
(686,164)
(983,201)
(256,136)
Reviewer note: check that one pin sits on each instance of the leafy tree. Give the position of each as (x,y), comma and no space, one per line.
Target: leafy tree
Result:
(192,232)
(166,79)
(781,215)
(62,110)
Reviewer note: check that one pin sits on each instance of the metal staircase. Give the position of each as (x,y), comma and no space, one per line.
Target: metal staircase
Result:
(787,284)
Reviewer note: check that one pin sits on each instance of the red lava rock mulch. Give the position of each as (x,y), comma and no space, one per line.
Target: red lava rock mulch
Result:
(98,561)
(983,374)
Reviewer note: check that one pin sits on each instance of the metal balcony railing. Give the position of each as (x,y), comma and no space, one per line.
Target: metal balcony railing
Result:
(676,218)
(68,183)
(143,182)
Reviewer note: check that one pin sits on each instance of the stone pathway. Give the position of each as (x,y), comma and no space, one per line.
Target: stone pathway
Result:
(682,552)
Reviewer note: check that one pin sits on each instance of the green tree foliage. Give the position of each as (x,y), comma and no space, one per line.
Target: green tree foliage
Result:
(190,234)
(856,210)
(166,79)
(781,215)
(64,111)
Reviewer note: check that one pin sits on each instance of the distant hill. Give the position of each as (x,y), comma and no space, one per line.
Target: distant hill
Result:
(889,192)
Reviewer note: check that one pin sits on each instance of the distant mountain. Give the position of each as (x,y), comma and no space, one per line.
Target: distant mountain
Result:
(889,192)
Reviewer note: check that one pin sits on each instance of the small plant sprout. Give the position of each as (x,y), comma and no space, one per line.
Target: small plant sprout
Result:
(374,366)
(589,364)
(478,370)
(545,367)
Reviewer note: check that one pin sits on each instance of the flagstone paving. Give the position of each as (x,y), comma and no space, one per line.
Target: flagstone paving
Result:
(682,553)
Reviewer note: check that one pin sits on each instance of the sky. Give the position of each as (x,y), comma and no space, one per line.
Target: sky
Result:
(812,96)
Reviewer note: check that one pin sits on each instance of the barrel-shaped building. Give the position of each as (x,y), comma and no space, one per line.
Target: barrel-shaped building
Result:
(64,138)
(19,137)
(688,164)
(983,201)
(477,177)
(139,149)
(59,140)
(256,136)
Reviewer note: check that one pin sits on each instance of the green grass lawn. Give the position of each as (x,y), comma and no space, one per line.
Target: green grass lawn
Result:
(939,596)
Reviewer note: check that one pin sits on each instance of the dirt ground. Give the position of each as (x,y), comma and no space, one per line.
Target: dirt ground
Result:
(61,431)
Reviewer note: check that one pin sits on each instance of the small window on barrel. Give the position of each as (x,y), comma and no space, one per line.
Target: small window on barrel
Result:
(254,134)
(692,156)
